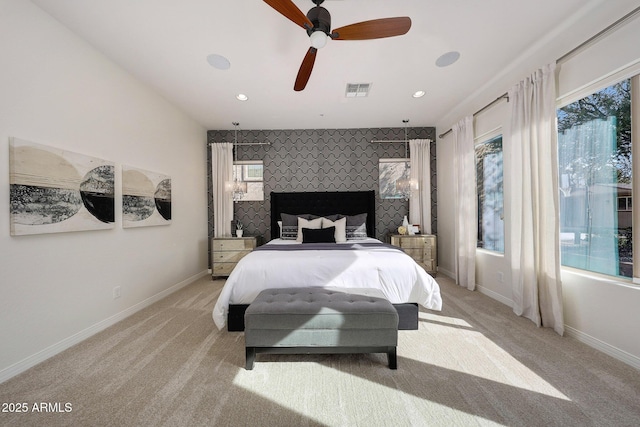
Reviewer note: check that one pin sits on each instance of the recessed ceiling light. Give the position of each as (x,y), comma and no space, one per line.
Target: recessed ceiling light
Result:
(242,97)
(448,59)
(218,61)
(419,94)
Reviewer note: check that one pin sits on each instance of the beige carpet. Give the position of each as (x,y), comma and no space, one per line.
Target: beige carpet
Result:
(474,363)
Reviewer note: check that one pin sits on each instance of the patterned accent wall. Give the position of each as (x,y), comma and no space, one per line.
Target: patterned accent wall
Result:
(322,160)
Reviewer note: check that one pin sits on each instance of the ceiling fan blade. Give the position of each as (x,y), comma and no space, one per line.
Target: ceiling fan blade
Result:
(291,12)
(374,29)
(305,69)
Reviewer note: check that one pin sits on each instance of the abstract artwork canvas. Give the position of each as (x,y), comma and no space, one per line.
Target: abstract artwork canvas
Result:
(54,191)
(390,171)
(146,198)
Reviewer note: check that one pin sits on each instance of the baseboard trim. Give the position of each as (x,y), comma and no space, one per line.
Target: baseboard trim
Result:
(584,338)
(74,339)
(602,346)
(447,273)
(494,295)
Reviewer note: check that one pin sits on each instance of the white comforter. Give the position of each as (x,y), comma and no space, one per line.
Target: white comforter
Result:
(393,272)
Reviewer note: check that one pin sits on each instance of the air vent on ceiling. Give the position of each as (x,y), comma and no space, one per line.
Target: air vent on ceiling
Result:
(357,90)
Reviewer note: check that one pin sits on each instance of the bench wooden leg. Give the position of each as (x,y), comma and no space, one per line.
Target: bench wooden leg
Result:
(393,359)
(250,357)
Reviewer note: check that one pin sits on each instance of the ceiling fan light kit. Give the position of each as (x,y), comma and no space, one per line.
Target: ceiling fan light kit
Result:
(318,39)
(317,24)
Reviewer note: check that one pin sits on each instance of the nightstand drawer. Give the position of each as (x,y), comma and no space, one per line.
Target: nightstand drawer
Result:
(229,256)
(411,242)
(223,268)
(430,267)
(428,251)
(233,244)
(416,254)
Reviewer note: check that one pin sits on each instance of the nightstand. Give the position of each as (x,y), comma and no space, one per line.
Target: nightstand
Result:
(227,251)
(421,247)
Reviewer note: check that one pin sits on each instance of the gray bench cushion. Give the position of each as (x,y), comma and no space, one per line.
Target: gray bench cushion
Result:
(308,317)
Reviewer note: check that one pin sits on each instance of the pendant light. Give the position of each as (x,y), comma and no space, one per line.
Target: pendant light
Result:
(405,186)
(238,187)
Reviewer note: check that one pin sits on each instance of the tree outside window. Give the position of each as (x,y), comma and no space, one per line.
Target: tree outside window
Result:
(489,177)
(595,173)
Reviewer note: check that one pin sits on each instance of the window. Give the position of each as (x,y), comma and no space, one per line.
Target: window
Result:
(251,173)
(489,179)
(595,177)
(624,203)
(394,178)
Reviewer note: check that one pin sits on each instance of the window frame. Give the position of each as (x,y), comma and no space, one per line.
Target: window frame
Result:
(243,164)
(628,204)
(632,73)
(386,194)
(477,141)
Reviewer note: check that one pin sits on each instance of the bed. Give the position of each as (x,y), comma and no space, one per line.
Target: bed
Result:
(357,264)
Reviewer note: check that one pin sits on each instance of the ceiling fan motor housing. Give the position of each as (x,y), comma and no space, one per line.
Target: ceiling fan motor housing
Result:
(321,20)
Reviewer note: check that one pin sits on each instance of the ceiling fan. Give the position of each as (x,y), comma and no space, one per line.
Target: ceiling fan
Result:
(317,23)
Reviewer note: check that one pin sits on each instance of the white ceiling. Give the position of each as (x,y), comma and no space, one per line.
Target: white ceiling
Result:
(165,43)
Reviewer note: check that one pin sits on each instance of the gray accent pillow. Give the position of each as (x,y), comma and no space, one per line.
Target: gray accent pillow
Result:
(356,226)
(334,217)
(289,229)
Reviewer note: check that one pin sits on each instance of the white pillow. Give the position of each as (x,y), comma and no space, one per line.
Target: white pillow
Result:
(305,223)
(280,228)
(341,228)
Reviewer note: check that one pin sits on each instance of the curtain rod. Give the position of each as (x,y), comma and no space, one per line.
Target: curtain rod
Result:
(503,96)
(244,143)
(599,35)
(567,55)
(375,141)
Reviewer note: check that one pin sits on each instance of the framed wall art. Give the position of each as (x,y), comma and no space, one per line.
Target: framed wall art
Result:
(54,190)
(146,198)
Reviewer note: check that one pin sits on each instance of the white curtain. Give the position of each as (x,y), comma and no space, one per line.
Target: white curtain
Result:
(534,219)
(466,229)
(420,198)
(221,176)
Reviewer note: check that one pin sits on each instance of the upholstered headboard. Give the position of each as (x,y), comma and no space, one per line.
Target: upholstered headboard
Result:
(323,203)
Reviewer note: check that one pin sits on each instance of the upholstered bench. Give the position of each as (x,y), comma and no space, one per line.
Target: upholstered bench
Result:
(318,320)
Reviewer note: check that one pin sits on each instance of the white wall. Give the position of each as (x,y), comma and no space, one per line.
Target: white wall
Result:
(493,275)
(600,311)
(56,289)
